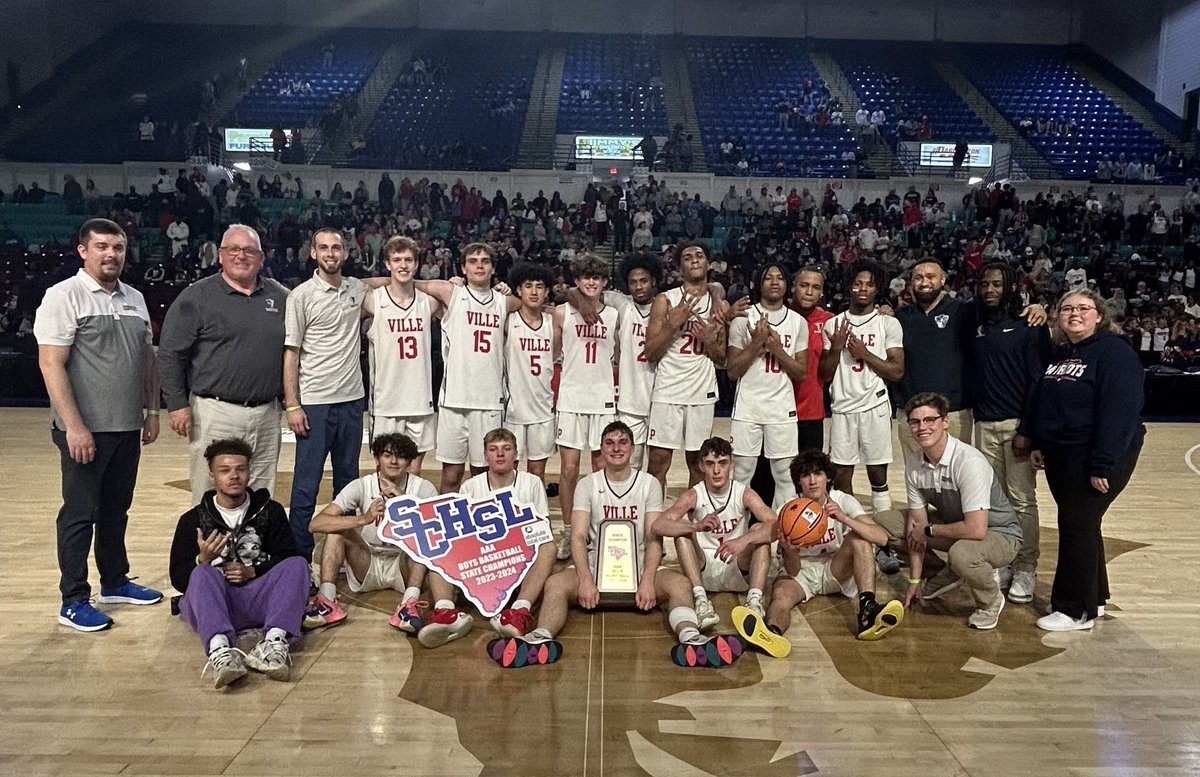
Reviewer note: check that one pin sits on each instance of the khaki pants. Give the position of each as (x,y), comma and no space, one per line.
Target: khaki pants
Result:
(971,560)
(994,440)
(259,426)
(960,428)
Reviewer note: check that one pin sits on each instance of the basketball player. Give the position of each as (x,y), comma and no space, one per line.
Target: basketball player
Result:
(807,292)
(615,493)
(502,454)
(766,358)
(863,348)
(400,353)
(843,561)
(472,394)
(587,400)
(351,527)
(719,547)
(530,354)
(685,340)
(643,275)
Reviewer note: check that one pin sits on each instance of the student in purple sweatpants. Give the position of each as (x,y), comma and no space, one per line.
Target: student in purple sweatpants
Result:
(235,561)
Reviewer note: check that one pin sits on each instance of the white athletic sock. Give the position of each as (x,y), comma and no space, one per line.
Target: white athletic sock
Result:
(689,636)
(329,591)
(443,604)
(681,615)
(276,634)
(752,594)
(217,642)
(409,594)
(880,501)
(522,604)
(539,635)
(699,592)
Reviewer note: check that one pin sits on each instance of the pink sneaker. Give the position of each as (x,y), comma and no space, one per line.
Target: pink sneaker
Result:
(446,625)
(323,613)
(408,616)
(512,622)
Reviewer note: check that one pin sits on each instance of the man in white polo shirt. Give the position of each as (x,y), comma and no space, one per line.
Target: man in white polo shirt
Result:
(955,505)
(322,380)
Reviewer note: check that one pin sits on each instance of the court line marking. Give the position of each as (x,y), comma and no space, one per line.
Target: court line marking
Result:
(1187,458)
(587,709)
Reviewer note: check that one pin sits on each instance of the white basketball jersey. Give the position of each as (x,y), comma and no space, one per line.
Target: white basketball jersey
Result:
(529,370)
(629,501)
(400,356)
(586,384)
(837,530)
(685,375)
(473,350)
(765,394)
(356,499)
(529,490)
(636,374)
(730,509)
(855,386)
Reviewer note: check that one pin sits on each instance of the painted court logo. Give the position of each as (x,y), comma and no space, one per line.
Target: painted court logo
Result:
(485,548)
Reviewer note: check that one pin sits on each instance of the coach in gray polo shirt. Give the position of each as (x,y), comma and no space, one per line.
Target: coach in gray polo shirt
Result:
(220,357)
(322,379)
(955,505)
(94,349)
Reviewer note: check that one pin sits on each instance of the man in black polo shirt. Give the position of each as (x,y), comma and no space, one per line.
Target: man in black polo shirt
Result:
(1008,357)
(220,358)
(937,331)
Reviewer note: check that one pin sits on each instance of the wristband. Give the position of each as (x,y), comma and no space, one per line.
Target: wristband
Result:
(292,409)
(197,559)
(914,581)
(152,413)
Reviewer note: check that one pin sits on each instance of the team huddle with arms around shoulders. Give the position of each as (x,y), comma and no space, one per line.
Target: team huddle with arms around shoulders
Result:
(629,377)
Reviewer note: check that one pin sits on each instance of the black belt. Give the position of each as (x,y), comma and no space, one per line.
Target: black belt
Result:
(242,402)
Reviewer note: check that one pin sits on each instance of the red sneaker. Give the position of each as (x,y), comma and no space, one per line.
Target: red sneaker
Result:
(408,616)
(446,625)
(512,622)
(323,613)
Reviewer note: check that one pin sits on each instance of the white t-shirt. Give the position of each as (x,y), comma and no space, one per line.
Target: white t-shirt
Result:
(529,490)
(855,386)
(356,499)
(837,531)
(233,517)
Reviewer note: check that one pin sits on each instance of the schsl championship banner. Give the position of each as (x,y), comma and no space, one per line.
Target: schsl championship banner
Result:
(485,547)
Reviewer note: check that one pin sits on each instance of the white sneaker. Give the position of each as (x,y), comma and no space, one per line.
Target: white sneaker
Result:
(563,546)
(1060,621)
(1006,577)
(271,657)
(987,618)
(1023,585)
(228,665)
(706,616)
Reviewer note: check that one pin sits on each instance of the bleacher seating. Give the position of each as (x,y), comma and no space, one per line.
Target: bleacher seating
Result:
(458,117)
(737,84)
(356,53)
(624,66)
(1037,81)
(902,80)
(38,224)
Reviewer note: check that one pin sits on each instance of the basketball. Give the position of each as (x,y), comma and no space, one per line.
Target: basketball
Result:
(803,521)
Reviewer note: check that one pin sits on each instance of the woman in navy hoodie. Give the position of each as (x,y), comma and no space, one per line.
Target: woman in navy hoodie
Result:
(1087,433)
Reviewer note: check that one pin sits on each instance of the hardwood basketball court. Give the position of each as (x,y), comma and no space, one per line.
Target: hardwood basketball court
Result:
(932,698)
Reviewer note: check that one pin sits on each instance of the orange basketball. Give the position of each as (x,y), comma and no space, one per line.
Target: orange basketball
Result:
(803,521)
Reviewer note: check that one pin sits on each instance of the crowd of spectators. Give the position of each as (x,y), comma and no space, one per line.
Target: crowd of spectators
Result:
(1141,256)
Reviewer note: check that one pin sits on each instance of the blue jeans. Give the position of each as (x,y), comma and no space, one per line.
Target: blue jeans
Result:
(335,431)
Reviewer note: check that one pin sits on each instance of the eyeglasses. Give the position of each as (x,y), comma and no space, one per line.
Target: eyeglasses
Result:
(1080,309)
(928,423)
(236,251)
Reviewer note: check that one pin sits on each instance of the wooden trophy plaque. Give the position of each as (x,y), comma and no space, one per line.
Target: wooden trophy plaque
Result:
(617,562)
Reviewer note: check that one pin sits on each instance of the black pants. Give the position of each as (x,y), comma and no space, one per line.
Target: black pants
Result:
(96,495)
(1081,580)
(812,436)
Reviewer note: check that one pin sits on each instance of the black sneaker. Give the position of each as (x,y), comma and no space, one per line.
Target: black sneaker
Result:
(886,559)
(875,619)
